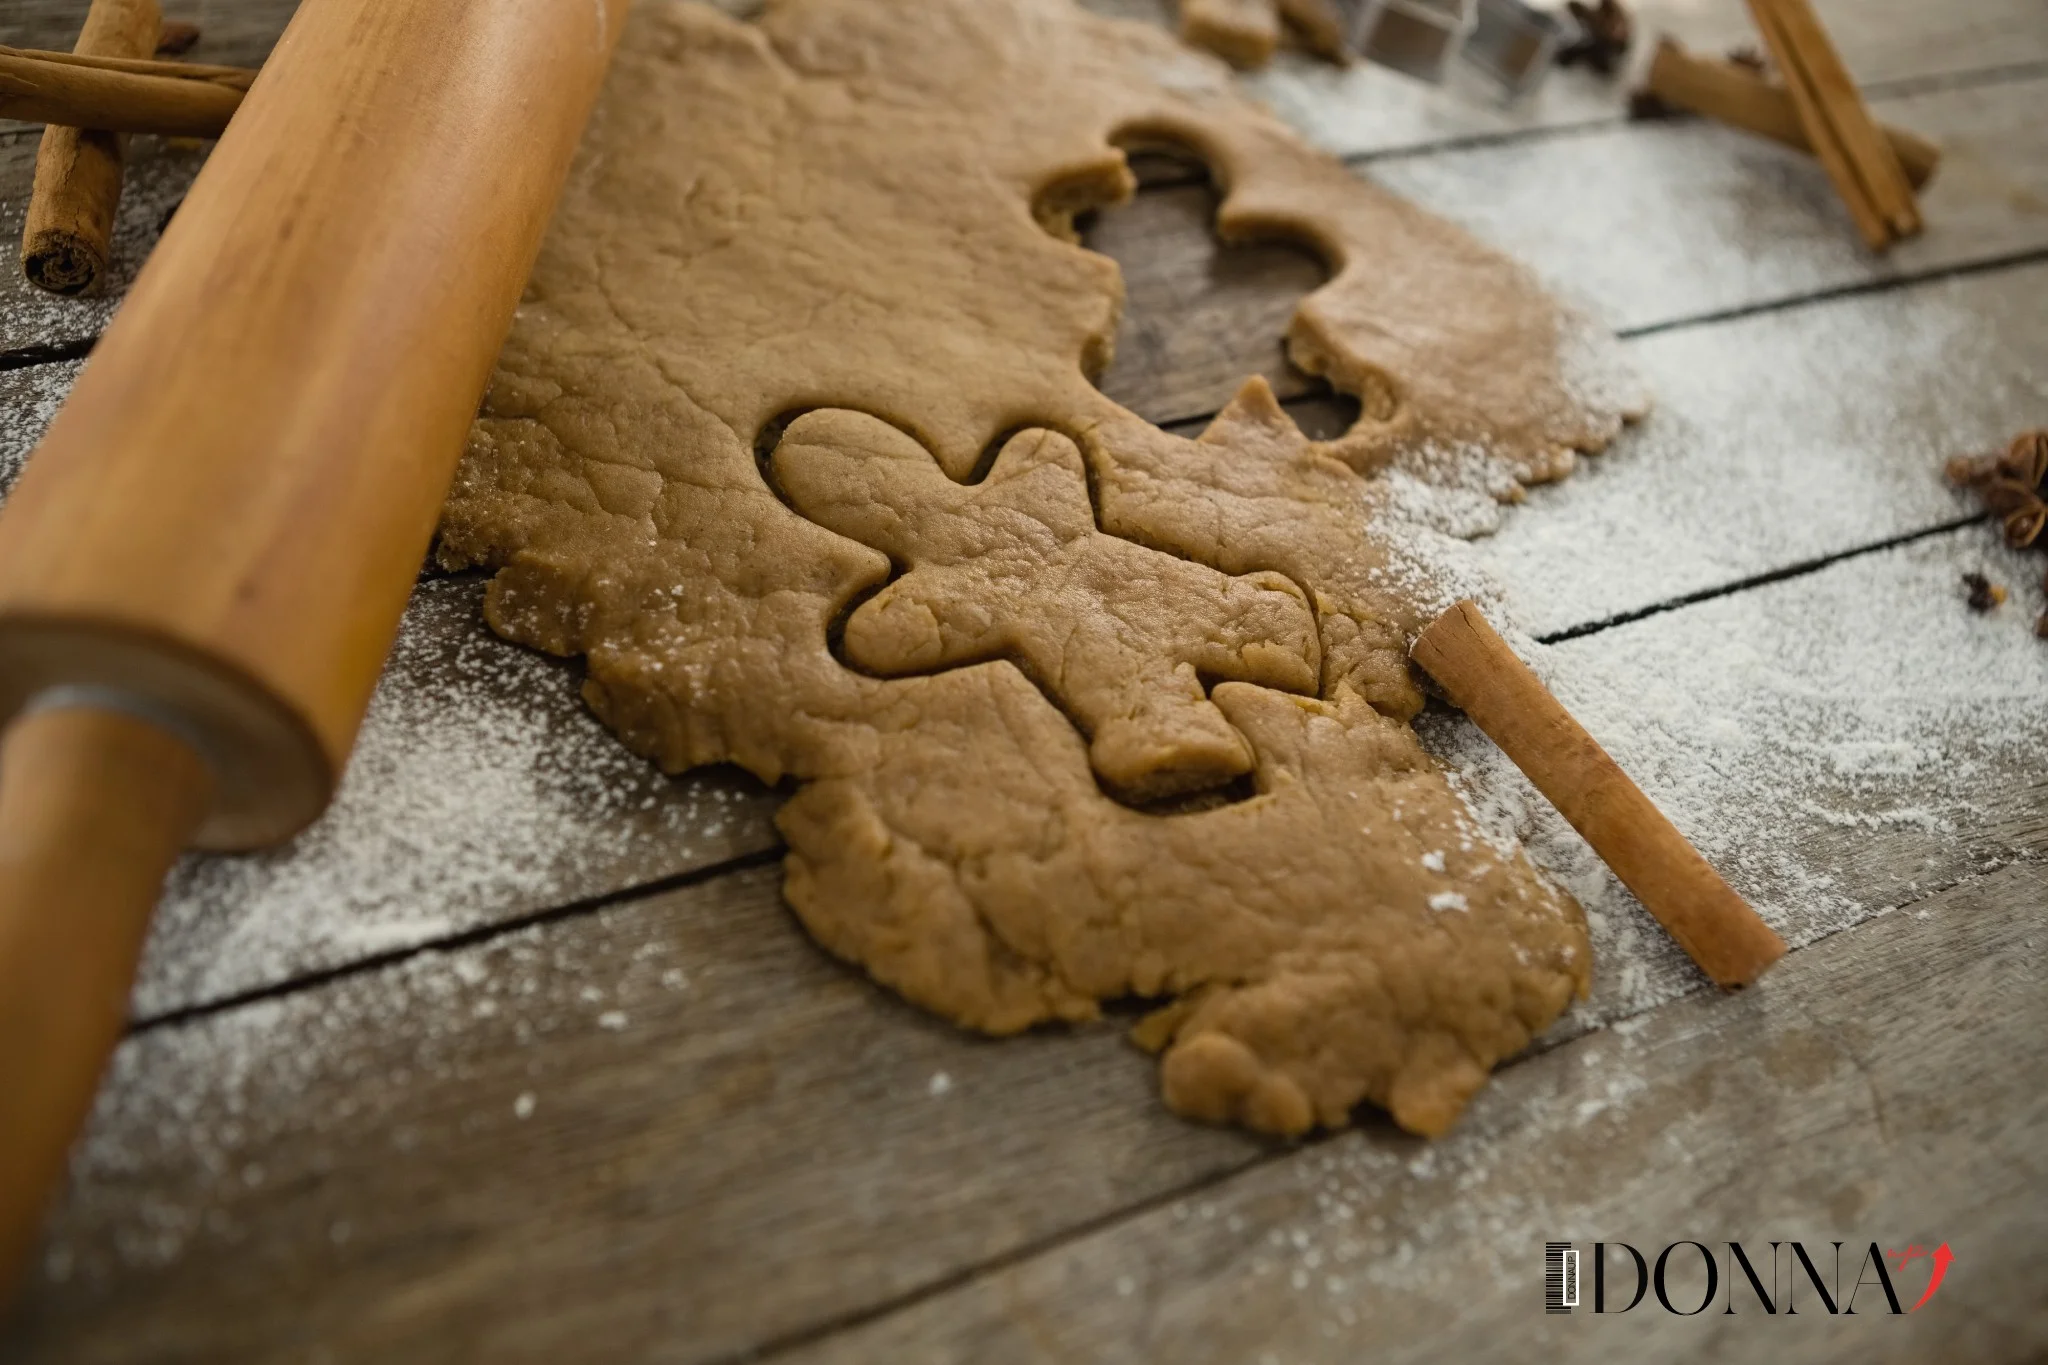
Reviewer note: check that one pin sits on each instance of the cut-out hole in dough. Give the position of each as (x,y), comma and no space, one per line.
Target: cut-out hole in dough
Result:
(1200,314)
(765,442)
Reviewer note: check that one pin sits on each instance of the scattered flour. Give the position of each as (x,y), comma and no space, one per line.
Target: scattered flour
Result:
(1775,438)
(195,1117)
(29,398)
(1688,216)
(1779,728)
(156,173)
(479,789)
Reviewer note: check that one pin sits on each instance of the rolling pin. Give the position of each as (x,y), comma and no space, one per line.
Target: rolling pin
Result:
(203,565)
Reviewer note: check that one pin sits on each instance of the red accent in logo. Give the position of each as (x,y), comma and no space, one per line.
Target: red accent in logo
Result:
(1941,1256)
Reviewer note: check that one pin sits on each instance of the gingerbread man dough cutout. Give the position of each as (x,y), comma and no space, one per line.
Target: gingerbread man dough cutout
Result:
(1121,636)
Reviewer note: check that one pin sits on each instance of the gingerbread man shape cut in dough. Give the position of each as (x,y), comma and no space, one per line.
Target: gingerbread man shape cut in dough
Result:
(1122,636)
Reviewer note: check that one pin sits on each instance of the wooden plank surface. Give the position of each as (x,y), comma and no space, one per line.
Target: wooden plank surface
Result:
(1890,46)
(752,1151)
(480,792)
(1198,315)
(1886,1086)
(1693,221)
(1783,438)
(1837,744)
(707,1160)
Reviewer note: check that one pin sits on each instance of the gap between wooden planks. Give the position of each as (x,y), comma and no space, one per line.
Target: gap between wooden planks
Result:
(756,1157)
(1890,1085)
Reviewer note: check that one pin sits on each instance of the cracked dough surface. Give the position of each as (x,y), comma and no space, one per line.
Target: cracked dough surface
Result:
(807,274)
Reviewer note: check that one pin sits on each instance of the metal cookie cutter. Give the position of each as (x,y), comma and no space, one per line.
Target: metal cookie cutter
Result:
(1419,37)
(1514,45)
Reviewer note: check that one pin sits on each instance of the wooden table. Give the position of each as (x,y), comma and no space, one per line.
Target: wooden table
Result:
(517,1056)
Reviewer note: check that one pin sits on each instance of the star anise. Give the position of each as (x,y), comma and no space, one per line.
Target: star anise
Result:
(2023,524)
(1967,471)
(1605,30)
(2013,486)
(2026,459)
(2017,505)
(2002,496)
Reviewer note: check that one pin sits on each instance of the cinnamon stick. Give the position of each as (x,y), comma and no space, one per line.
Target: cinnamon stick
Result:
(1478,671)
(59,88)
(233,77)
(70,221)
(1862,166)
(1737,96)
(1869,155)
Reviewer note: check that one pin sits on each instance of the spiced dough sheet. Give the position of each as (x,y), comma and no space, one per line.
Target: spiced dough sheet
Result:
(794,440)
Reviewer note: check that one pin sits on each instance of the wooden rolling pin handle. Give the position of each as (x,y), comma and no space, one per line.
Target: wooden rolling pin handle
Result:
(94,807)
(1482,676)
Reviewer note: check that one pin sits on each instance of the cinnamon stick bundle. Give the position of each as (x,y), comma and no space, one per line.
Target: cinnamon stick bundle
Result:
(65,241)
(1731,94)
(129,97)
(1505,699)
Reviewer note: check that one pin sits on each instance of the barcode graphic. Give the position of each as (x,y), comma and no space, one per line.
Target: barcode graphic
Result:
(1560,1277)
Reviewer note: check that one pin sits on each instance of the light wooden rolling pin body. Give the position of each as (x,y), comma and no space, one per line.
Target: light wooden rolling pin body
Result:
(204,564)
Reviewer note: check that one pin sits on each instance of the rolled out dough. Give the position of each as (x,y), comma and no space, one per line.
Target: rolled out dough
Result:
(807,275)
(1246,33)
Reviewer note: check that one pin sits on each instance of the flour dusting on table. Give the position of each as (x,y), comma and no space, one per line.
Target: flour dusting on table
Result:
(478,787)
(1784,729)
